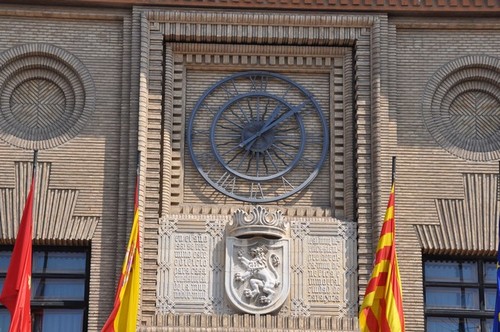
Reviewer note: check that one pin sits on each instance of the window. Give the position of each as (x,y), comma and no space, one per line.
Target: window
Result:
(459,294)
(59,289)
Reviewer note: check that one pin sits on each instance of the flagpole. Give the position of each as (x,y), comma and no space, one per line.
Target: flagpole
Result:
(138,165)
(496,317)
(382,307)
(393,174)
(35,160)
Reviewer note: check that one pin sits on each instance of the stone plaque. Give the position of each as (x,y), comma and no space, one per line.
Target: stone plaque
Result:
(324,269)
(191,275)
(211,264)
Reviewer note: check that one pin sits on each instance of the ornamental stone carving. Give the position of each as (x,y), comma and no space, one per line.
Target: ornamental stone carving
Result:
(257,261)
(461,107)
(47,96)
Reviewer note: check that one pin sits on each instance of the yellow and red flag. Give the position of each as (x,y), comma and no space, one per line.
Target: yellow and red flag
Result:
(382,308)
(16,292)
(123,318)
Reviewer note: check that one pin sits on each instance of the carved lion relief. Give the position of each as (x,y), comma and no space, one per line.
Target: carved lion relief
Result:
(257,261)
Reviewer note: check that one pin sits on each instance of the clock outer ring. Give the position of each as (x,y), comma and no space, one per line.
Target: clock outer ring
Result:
(288,168)
(309,96)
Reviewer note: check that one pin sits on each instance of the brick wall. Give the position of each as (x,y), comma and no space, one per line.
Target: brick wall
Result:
(425,170)
(95,162)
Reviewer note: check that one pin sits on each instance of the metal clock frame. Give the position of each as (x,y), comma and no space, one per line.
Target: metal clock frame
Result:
(250,135)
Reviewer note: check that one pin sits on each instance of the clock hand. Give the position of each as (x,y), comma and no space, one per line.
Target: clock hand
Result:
(282,118)
(275,112)
(271,124)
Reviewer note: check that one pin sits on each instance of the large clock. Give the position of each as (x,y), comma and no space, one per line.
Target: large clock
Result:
(257,136)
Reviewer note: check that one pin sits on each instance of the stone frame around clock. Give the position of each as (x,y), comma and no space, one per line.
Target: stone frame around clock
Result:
(367,37)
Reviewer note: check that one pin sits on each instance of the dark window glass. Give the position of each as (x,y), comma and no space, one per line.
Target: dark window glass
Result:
(4,261)
(490,273)
(459,294)
(59,262)
(4,319)
(489,298)
(440,324)
(59,289)
(452,297)
(51,320)
(53,289)
(489,324)
(451,271)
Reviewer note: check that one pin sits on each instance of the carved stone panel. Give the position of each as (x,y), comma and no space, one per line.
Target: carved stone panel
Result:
(208,265)
(190,272)
(324,261)
(256,275)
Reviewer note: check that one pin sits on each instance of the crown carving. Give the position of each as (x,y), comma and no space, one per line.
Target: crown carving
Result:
(259,222)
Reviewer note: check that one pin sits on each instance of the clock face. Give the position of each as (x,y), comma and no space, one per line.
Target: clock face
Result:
(257,136)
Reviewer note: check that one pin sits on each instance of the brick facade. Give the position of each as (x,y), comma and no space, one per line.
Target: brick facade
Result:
(124,75)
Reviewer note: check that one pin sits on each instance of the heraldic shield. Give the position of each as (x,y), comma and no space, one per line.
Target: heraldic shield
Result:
(257,278)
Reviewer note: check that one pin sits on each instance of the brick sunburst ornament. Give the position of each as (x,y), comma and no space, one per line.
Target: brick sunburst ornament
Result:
(47,96)
(461,107)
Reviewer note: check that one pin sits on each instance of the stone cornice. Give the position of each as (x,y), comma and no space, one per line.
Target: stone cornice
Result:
(467,7)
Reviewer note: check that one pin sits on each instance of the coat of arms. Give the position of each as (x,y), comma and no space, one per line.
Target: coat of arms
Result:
(257,261)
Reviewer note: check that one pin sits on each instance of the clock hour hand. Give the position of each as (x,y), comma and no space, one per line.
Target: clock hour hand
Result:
(275,112)
(271,123)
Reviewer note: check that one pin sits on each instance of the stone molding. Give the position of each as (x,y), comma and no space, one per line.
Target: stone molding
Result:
(260,221)
(247,322)
(398,6)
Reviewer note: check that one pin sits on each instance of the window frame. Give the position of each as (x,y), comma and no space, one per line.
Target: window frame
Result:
(40,305)
(482,313)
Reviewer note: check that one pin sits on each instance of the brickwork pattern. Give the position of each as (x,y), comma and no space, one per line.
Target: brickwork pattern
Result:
(480,190)
(461,107)
(54,222)
(47,96)
(391,6)
(426,171)
(242,28)
(384,83)
(90,176)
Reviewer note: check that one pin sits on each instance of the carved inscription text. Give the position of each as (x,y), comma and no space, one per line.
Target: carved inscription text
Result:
(324,270)
(190,266)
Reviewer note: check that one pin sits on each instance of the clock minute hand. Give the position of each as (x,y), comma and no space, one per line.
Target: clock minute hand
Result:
(271,123)
(275,112)
(282,118)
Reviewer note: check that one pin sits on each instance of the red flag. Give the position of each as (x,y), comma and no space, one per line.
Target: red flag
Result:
(16,293)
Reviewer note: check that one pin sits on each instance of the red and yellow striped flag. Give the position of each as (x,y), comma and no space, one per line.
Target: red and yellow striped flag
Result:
(382,308)
(123,318)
